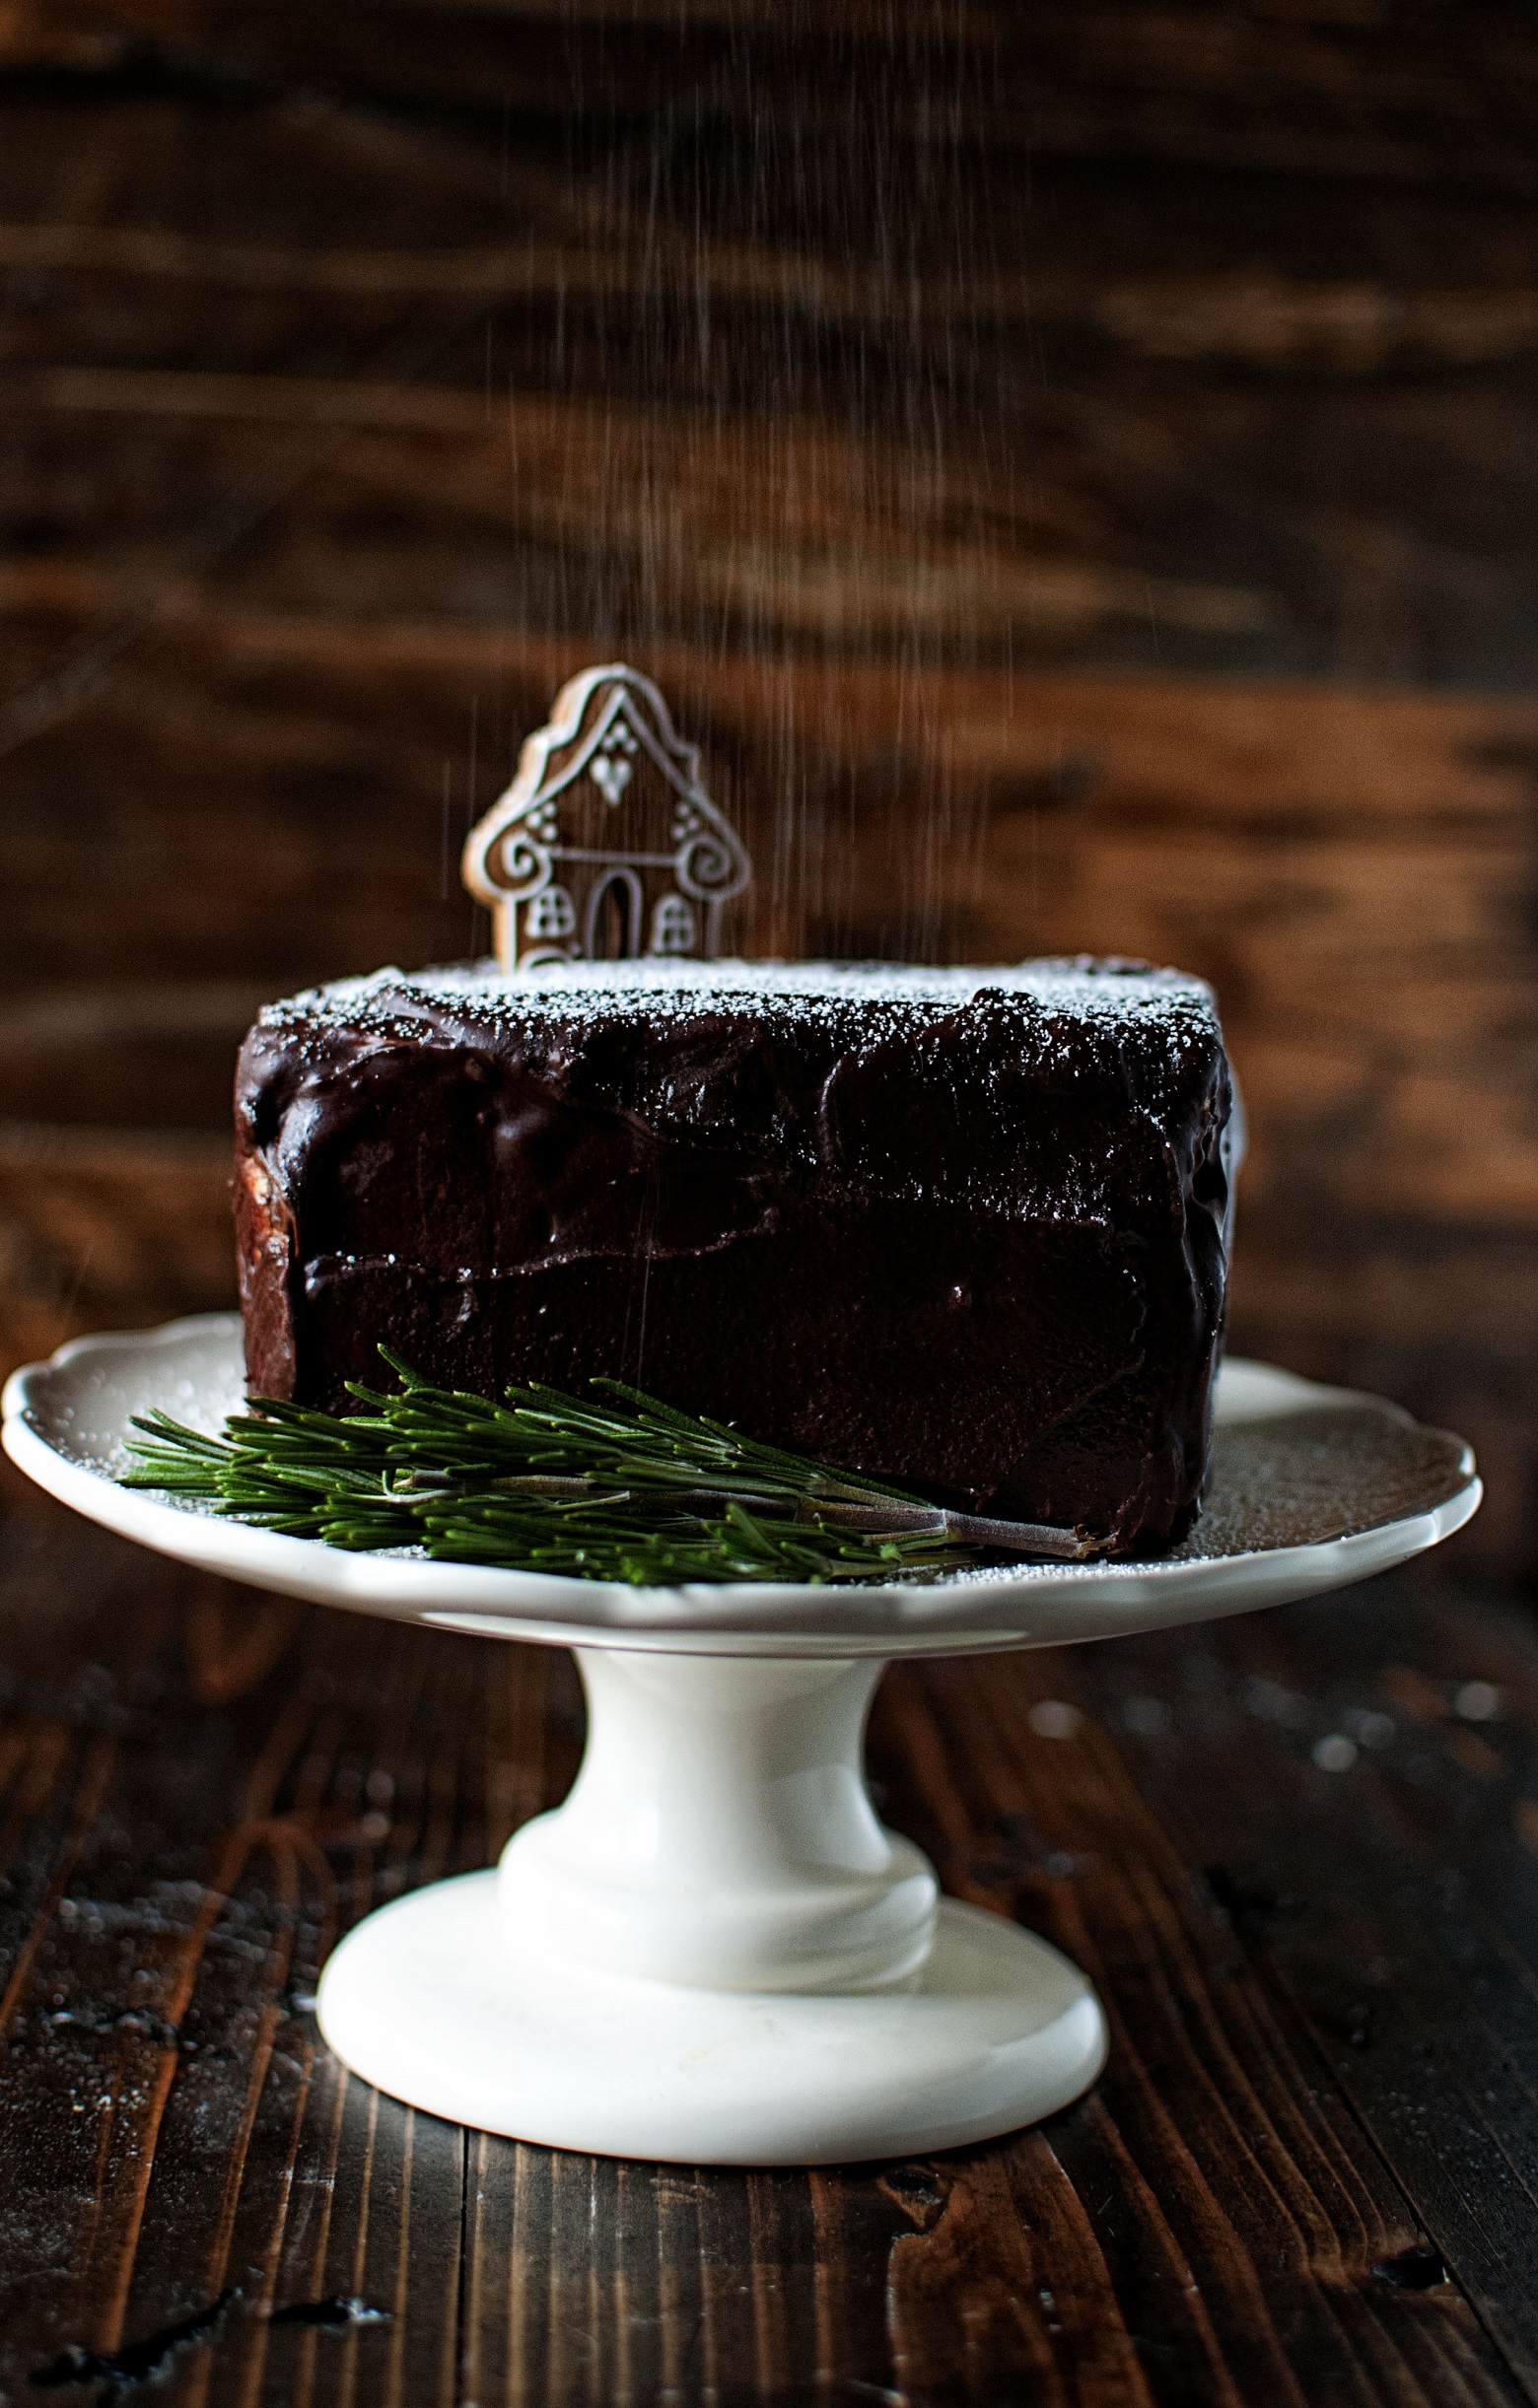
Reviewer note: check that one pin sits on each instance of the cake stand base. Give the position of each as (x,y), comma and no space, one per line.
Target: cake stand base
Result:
(429,1999)
(714,1953)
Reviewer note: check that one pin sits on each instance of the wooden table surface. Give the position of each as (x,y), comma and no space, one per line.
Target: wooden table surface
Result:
(1073,471)
(1307,2175)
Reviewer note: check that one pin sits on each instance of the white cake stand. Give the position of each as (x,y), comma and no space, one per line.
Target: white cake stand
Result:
(713,1952)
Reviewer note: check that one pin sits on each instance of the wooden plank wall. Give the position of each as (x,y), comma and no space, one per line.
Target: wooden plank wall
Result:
(1074,467)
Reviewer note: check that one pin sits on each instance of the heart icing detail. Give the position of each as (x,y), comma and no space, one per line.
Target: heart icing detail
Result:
(610,777)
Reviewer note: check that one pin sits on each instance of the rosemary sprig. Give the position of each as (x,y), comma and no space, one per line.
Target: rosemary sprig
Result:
(620,1486)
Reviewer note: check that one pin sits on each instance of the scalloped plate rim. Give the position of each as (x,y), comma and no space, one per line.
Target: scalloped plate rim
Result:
(1047,1605)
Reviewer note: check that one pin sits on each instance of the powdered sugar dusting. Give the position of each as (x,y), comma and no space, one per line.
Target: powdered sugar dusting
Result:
(1110,993)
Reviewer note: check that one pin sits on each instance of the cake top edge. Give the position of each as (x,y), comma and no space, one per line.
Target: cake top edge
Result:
(1084,986)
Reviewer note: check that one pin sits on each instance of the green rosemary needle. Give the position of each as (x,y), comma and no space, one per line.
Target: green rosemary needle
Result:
(619,1486)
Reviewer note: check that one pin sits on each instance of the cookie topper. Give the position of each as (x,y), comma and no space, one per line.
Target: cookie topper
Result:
(605,844)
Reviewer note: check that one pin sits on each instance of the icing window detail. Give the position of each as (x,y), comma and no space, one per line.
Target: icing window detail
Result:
(551,913)
(673,928)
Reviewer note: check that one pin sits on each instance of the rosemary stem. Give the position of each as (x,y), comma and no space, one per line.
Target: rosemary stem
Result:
(615,1486)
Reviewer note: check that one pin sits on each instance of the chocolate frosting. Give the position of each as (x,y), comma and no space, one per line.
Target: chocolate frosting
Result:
(967,1229)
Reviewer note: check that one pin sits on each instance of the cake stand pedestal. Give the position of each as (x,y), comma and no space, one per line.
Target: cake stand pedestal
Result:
(713,1952)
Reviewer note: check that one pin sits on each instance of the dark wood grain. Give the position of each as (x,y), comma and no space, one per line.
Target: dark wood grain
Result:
(1321,1987)
(1074,469)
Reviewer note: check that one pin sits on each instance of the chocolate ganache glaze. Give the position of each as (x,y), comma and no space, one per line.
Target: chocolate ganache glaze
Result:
(965,1229)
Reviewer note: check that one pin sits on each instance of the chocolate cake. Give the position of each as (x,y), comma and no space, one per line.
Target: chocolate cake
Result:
(965,1229)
